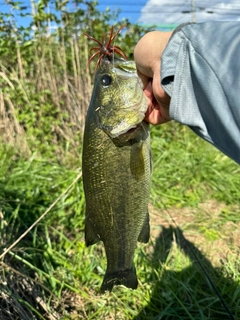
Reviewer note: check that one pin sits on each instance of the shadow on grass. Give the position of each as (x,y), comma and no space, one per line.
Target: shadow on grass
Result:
(186,293)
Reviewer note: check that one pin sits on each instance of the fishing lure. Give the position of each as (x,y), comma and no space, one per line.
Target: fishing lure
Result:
(105,49)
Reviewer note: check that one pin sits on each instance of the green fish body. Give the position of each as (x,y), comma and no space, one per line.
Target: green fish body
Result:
(116,168)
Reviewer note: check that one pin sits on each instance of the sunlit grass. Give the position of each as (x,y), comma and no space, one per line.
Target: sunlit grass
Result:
(64,276)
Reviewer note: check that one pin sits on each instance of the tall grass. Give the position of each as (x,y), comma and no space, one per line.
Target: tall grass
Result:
(45,101)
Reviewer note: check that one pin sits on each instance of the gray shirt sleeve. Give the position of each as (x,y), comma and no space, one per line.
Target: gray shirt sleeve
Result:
(200,70)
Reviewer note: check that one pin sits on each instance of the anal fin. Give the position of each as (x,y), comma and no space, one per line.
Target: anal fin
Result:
(91,236)
(145,232)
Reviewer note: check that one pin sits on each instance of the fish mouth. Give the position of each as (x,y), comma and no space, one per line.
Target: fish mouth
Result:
(131,130)
(118,133)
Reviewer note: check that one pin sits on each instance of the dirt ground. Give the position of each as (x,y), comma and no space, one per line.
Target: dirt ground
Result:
(214,236)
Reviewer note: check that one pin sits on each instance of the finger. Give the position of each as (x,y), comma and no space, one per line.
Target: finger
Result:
(145,80)
(148,91)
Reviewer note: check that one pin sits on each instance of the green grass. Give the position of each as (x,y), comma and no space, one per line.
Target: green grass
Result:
(50,274)
(188,170)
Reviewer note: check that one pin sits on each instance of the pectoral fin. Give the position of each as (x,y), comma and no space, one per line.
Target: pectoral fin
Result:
(91,236)
(137,164)
(145,232)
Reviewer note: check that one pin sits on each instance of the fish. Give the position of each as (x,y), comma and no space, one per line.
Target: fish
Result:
(116,168)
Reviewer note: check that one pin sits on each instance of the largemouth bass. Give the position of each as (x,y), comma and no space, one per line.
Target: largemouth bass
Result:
(116,166)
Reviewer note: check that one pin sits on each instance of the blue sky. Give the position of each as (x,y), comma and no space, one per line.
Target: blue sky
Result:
(164,11)
(129,9)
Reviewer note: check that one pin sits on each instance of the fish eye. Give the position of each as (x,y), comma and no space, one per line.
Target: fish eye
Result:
(106,80)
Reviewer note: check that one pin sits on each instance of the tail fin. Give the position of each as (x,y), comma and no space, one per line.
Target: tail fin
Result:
(127,278)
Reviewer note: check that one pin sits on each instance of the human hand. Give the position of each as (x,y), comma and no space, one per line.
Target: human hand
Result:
(147,55)
(158,109)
